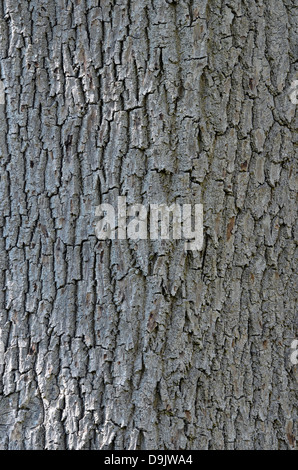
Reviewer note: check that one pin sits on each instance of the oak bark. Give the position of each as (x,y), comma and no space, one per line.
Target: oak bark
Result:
(142,345)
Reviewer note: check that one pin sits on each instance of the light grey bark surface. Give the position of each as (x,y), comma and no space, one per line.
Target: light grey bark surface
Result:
(141,345)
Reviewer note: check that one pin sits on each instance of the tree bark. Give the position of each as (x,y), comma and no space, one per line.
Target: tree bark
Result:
(123,344)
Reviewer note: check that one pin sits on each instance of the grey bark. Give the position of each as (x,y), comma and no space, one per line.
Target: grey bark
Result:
(140,345)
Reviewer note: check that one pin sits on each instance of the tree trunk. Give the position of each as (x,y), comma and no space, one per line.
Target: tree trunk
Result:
(123,344)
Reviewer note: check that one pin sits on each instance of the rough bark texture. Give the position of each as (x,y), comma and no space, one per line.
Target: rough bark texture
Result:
(141,345)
